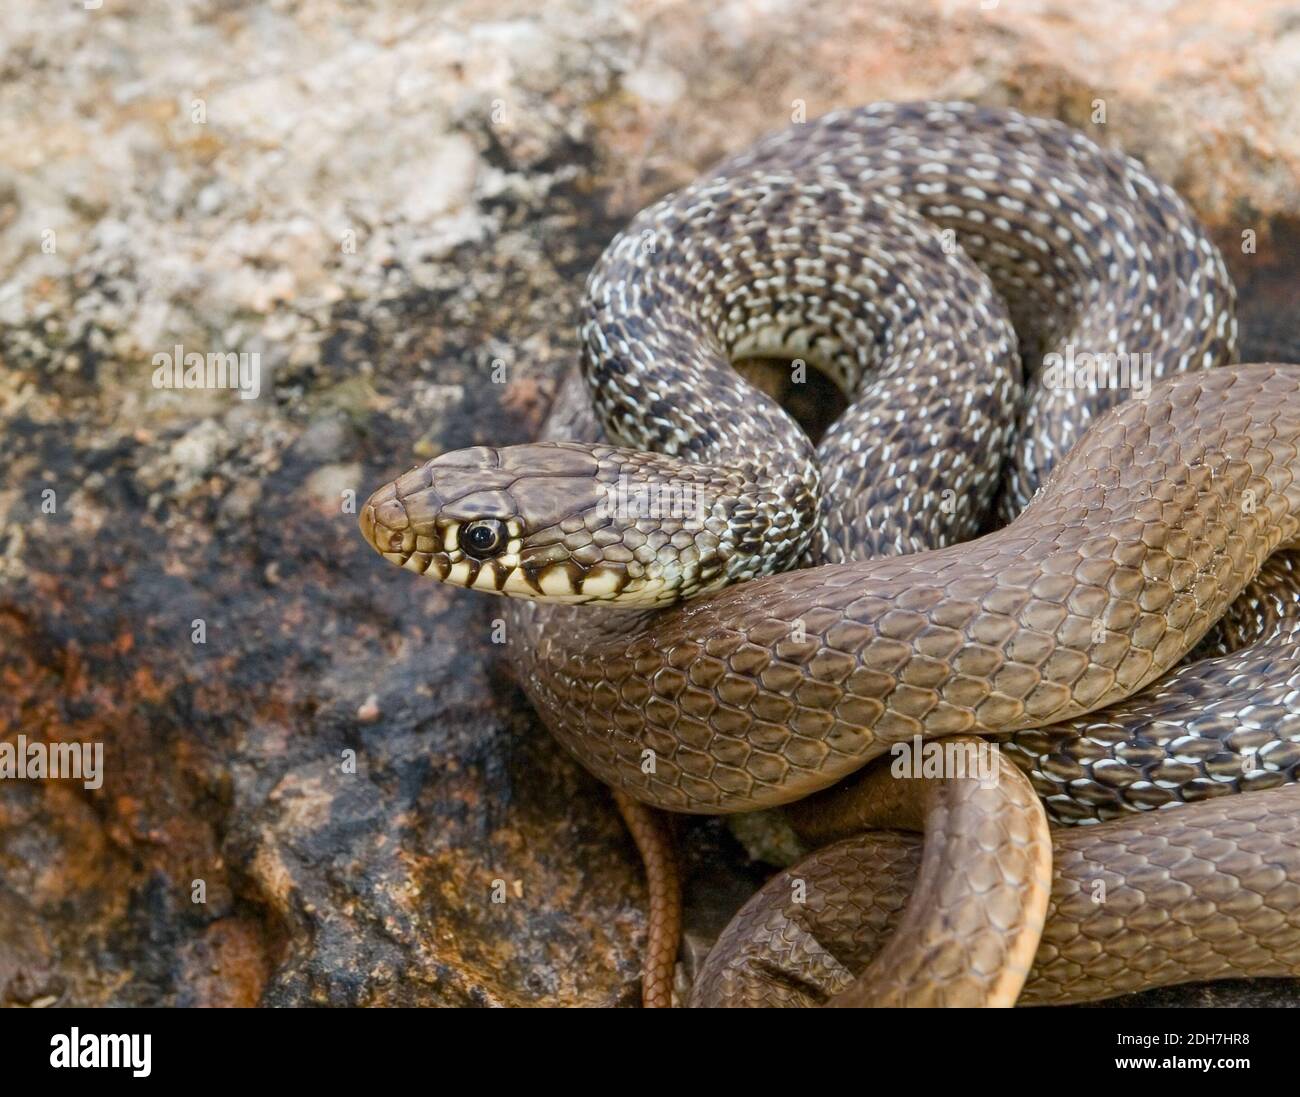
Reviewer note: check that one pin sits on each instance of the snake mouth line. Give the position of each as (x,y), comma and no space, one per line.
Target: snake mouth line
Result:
(386,525)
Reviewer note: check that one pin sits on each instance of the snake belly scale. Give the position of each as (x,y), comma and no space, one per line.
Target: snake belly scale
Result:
(926,257)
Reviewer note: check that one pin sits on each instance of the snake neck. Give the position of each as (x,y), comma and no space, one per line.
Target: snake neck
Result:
(773,524)
(750,483)
(679,529)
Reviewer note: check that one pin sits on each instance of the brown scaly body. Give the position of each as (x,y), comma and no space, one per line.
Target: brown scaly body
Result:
(1210,891)
(1225,721)
(1117,569)
(663,885)
(810,247)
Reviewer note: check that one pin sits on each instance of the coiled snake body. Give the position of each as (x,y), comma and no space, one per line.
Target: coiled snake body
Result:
(983,287)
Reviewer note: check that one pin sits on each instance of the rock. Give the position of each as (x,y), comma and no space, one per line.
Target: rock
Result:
(321,786)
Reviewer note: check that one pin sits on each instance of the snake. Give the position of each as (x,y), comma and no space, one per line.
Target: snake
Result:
(1050,487)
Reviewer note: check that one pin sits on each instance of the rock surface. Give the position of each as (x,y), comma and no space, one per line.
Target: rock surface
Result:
(395,210)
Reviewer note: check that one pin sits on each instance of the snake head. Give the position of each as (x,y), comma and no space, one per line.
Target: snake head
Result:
(558,522)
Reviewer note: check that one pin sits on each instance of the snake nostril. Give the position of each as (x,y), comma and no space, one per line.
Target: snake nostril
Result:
(392,515)
(384,522)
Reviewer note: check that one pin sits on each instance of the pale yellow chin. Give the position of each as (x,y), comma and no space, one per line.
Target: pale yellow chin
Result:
(557,586)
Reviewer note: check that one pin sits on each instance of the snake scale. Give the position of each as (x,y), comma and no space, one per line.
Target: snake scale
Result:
(772,615)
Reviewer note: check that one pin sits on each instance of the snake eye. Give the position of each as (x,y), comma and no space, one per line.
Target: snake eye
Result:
(482,538)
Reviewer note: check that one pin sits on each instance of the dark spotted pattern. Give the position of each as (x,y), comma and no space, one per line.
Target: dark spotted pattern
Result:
(1086,248)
